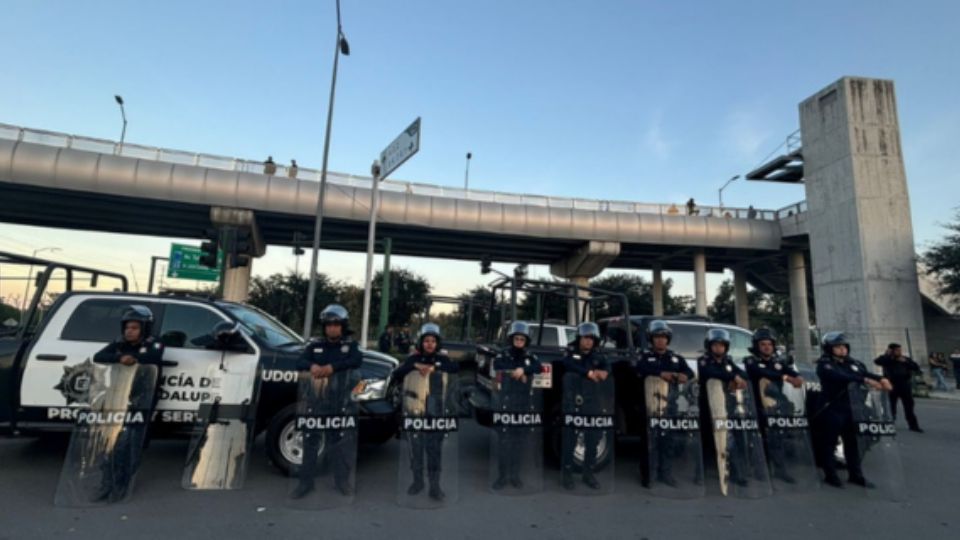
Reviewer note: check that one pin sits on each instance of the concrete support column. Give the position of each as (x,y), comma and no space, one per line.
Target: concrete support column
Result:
(741,302)
(700,281)
(657,290)
(575,306)
(799,312)
(236,283)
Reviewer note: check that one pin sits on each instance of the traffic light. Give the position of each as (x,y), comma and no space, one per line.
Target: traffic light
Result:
(241,246)
(209,249)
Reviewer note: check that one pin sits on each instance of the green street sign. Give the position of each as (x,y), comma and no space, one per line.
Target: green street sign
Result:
(185,264)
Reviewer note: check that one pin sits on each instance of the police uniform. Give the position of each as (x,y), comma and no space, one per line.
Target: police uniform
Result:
(582,363)
(723,369)
(652,364)
(835,418)
(517,394)
(342,354)
(430,444)
(900,374)
(774,369)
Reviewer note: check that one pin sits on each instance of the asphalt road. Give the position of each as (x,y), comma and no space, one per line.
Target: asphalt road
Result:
(29,469)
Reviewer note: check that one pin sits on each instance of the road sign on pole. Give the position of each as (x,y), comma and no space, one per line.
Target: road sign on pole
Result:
(400,150)
(185,264)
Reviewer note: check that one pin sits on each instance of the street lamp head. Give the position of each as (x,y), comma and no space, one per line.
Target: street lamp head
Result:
(344,45)
(469,155)
(375,169)
(119,100)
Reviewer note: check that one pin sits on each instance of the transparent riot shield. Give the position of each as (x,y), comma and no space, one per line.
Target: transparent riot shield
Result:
(589,437)
(741,463)
(429,462)
(787,436)
(224,429)
(673,438)
(877,442)
(326,422)
(516,440)
(107,441)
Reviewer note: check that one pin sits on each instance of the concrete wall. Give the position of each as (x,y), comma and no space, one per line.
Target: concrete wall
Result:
(861,236)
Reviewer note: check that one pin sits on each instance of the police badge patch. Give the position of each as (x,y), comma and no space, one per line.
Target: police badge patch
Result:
(74,385)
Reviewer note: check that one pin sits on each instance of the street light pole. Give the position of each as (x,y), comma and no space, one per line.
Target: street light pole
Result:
(466,174)
(341,47)
(123,114)
(371,237)
(724,186)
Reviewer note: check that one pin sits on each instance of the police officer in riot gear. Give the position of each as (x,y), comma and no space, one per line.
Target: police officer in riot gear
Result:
(660,361)
(432,362)
(585,358)
(837,370)
(899,370)
(518,366)
(765,363)
(716,363)
(334,352)
(135,346)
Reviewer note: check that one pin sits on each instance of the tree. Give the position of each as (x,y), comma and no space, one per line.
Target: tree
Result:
(770,310)
(408,296)
(284,297)
(942,261)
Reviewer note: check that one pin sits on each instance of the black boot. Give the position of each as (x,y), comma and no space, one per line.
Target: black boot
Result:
(590,480)
(500,483)
(417,485)
(516,482)
(782,475)
(303,488)
(436,493)
(859,480)
(568,483)
(833,480)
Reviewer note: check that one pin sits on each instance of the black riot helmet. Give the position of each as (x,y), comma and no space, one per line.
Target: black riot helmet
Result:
(428,329)
(832,339)
(762,334)
(659,328)
(335,313)
(591,330)
(518,328)
(716,335)
(140,314)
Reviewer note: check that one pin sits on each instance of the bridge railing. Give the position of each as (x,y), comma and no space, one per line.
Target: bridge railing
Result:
(792,210)
(136,151)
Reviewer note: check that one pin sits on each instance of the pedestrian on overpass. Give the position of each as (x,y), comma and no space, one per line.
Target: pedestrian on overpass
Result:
(292,170)
(269,166)
(900,369)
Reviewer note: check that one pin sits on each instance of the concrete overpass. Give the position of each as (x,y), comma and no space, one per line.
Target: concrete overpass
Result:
(863,271)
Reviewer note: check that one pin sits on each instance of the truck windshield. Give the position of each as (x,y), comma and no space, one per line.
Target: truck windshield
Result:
(270,330)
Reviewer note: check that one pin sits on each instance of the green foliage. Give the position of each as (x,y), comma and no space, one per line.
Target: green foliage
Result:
(942,261)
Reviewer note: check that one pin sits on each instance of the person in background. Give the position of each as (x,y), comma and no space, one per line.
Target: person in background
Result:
(899,370)
(692,207)
(385,343)
(269,166)
(293,169)
(938,369)
(955,359)
(751,212)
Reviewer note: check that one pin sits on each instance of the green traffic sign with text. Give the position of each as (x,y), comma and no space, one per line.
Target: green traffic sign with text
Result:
(185,264)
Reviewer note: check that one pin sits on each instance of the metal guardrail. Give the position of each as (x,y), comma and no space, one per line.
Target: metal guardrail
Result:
(180,157)
(792,210)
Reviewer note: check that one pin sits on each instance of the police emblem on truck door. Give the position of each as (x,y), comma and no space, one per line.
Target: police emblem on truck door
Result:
(74,384)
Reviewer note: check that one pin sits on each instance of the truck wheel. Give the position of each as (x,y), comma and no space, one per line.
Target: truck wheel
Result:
(284,444)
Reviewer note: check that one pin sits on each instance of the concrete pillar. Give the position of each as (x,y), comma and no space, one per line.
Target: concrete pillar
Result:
(573,306)
(740,297)
(236,283)
(700,281)
(799,310)
(587,261)
(657,290)
(861,237)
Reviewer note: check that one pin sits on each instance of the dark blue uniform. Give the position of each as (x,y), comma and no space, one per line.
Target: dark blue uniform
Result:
(582,363)
(438,405)
(514,396)
(709,367)
(341,355)
(652,364)
(834,417)
(900,374)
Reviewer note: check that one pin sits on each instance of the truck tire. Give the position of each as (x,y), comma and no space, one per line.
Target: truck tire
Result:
(284,446)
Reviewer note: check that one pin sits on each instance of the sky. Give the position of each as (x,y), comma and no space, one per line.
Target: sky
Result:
(642,101)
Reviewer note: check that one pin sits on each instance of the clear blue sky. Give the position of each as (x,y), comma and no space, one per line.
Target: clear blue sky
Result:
(646,101)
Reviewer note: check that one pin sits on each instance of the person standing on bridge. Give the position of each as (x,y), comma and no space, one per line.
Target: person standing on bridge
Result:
(692,207)
(293,169)
(269,167)
(900,369)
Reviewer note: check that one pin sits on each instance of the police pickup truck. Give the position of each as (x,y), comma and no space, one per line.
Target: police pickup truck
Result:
(45,367)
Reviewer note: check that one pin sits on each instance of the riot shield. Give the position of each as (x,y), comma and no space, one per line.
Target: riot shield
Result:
(223,430)
(588,438)
(673,438)
(326,422)
(787,436)
(877,442)
(107,441)
(516,440)
(429,462)
(741,463)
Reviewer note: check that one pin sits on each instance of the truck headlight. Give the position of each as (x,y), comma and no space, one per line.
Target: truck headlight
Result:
(370,390)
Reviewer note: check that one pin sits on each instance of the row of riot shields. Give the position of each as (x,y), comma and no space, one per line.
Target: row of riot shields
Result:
(754,453)
(108,439)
